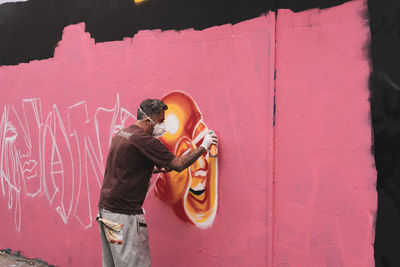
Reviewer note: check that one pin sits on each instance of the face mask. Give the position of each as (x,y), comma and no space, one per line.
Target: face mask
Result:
(159,129)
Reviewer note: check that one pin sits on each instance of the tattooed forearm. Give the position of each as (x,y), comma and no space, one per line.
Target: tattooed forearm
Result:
(182,162)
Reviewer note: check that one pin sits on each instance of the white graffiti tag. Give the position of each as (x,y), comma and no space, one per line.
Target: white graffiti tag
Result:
(55,159)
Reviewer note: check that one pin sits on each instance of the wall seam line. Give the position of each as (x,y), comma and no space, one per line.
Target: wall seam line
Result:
(273,248)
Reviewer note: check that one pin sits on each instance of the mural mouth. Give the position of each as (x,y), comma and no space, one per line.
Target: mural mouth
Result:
(197,192)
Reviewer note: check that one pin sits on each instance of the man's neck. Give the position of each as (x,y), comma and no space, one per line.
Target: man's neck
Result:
(142,124)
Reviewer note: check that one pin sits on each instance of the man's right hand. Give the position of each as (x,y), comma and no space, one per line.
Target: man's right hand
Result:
(180,163)
(209,139)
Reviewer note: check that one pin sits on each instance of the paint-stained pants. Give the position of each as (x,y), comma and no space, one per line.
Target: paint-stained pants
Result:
(134,250)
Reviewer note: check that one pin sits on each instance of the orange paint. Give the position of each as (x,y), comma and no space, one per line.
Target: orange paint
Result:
(193,192)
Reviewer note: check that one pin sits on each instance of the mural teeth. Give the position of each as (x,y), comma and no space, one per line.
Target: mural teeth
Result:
(197,192)
(200,173)
(200,187)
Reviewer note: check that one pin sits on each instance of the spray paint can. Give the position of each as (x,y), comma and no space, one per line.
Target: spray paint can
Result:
(213,149)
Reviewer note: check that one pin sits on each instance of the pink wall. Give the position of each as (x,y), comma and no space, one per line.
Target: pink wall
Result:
(59,114)
(325,197)
(63,108)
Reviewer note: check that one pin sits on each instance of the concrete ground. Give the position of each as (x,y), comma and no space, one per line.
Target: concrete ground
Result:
(9,259)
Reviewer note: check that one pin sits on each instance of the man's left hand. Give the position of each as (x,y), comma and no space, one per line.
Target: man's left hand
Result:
(162,169)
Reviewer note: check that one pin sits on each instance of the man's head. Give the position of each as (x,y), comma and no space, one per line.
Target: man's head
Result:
(150,108)
(150,113)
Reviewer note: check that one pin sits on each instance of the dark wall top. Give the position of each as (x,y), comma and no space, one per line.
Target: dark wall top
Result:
(31,30)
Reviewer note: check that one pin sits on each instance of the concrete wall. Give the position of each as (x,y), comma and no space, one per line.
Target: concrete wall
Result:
(325,197)
(286,92)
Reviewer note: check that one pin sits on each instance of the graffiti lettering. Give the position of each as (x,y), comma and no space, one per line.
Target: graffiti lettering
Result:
(59,160)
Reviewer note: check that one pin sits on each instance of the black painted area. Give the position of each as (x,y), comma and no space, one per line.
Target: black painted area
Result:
(301,5)
(31,30)
(385,113)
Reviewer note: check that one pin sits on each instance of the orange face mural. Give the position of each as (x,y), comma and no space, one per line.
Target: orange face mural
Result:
(192,193)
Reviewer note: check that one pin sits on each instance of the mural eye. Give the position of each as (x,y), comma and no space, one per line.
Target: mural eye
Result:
(10,131)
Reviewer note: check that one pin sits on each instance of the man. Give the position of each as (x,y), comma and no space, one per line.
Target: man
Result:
(134,155)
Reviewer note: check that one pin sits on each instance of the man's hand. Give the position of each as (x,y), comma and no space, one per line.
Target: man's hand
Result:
(180,163)
(209,139)
(163,169)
